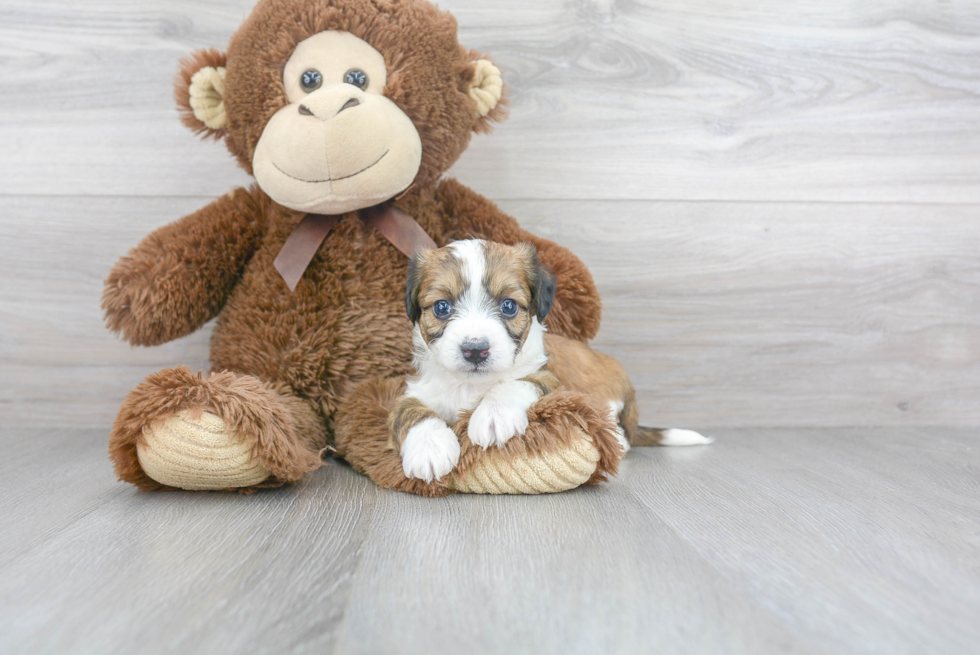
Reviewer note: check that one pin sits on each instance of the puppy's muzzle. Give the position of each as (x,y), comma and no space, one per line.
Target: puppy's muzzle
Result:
(476,352)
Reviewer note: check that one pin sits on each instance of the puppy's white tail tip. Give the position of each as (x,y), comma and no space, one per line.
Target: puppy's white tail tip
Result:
(681,437)
(669,437)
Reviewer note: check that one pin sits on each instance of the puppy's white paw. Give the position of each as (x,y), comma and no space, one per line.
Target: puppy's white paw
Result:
(430,450)
(502,414)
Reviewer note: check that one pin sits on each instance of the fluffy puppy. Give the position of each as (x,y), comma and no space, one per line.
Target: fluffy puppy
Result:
(479,344)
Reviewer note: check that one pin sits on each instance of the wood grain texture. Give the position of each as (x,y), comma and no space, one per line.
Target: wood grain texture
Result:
(730,314)
(116,570)
(724,314)
(769,541)
(870,101)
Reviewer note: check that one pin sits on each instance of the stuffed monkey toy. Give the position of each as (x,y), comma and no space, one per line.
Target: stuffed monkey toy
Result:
(347,113)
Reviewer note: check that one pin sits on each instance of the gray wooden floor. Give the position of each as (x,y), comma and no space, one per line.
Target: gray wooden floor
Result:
(770,541)
(781,206)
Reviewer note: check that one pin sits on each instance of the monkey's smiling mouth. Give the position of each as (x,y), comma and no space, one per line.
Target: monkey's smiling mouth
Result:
(332,179)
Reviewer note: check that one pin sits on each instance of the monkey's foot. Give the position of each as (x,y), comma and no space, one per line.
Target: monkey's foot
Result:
(197,450)
(221,431)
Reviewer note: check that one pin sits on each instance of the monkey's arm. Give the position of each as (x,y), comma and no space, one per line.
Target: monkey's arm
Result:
(180,275)
(578,308)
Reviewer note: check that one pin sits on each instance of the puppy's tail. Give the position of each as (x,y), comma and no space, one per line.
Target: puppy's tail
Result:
(668,437)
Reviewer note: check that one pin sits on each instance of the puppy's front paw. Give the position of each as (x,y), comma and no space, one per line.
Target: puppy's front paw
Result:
(502,414)
(430,450)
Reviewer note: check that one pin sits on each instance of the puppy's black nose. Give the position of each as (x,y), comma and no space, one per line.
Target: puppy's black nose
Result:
(475,351)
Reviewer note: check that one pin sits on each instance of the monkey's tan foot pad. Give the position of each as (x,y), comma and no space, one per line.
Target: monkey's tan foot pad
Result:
(566,467)
(196,450)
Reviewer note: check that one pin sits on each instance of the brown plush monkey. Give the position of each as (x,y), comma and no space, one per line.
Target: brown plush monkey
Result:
(341,110)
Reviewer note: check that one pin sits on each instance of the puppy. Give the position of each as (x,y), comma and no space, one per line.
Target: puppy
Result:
(479,344)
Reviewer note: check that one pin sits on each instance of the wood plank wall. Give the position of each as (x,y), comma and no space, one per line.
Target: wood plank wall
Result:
(780,200)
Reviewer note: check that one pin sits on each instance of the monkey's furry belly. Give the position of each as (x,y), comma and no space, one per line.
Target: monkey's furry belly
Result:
(339,328)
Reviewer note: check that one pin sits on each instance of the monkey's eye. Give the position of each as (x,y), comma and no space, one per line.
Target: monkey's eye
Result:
(442,309)
(508,308)
(311,80)
(356,77)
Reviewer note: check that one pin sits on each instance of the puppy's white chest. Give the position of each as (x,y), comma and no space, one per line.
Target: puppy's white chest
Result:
(446,396)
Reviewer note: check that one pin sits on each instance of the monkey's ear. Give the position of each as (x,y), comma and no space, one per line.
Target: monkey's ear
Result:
(200,92)
(416,266)
(486,88)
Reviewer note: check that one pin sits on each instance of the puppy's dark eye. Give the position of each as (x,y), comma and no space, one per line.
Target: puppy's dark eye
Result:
(442,309)
(508,308)
(356,77)
(311,80)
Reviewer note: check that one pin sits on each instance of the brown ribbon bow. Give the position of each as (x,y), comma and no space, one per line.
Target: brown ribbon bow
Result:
(396,225)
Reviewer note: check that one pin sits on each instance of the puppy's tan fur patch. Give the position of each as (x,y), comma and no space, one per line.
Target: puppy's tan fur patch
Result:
(406,414)
(544,380)
(434,275)
(579,368)
(510,273)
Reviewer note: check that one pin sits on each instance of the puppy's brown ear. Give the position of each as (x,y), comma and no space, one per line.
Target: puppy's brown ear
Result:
(413,287)
(200,92)
(542,285)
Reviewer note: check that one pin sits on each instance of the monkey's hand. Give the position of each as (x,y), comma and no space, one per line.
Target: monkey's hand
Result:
(180,276)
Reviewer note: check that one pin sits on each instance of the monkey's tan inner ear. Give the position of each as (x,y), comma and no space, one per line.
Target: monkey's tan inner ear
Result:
(207,97)
(487,86)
